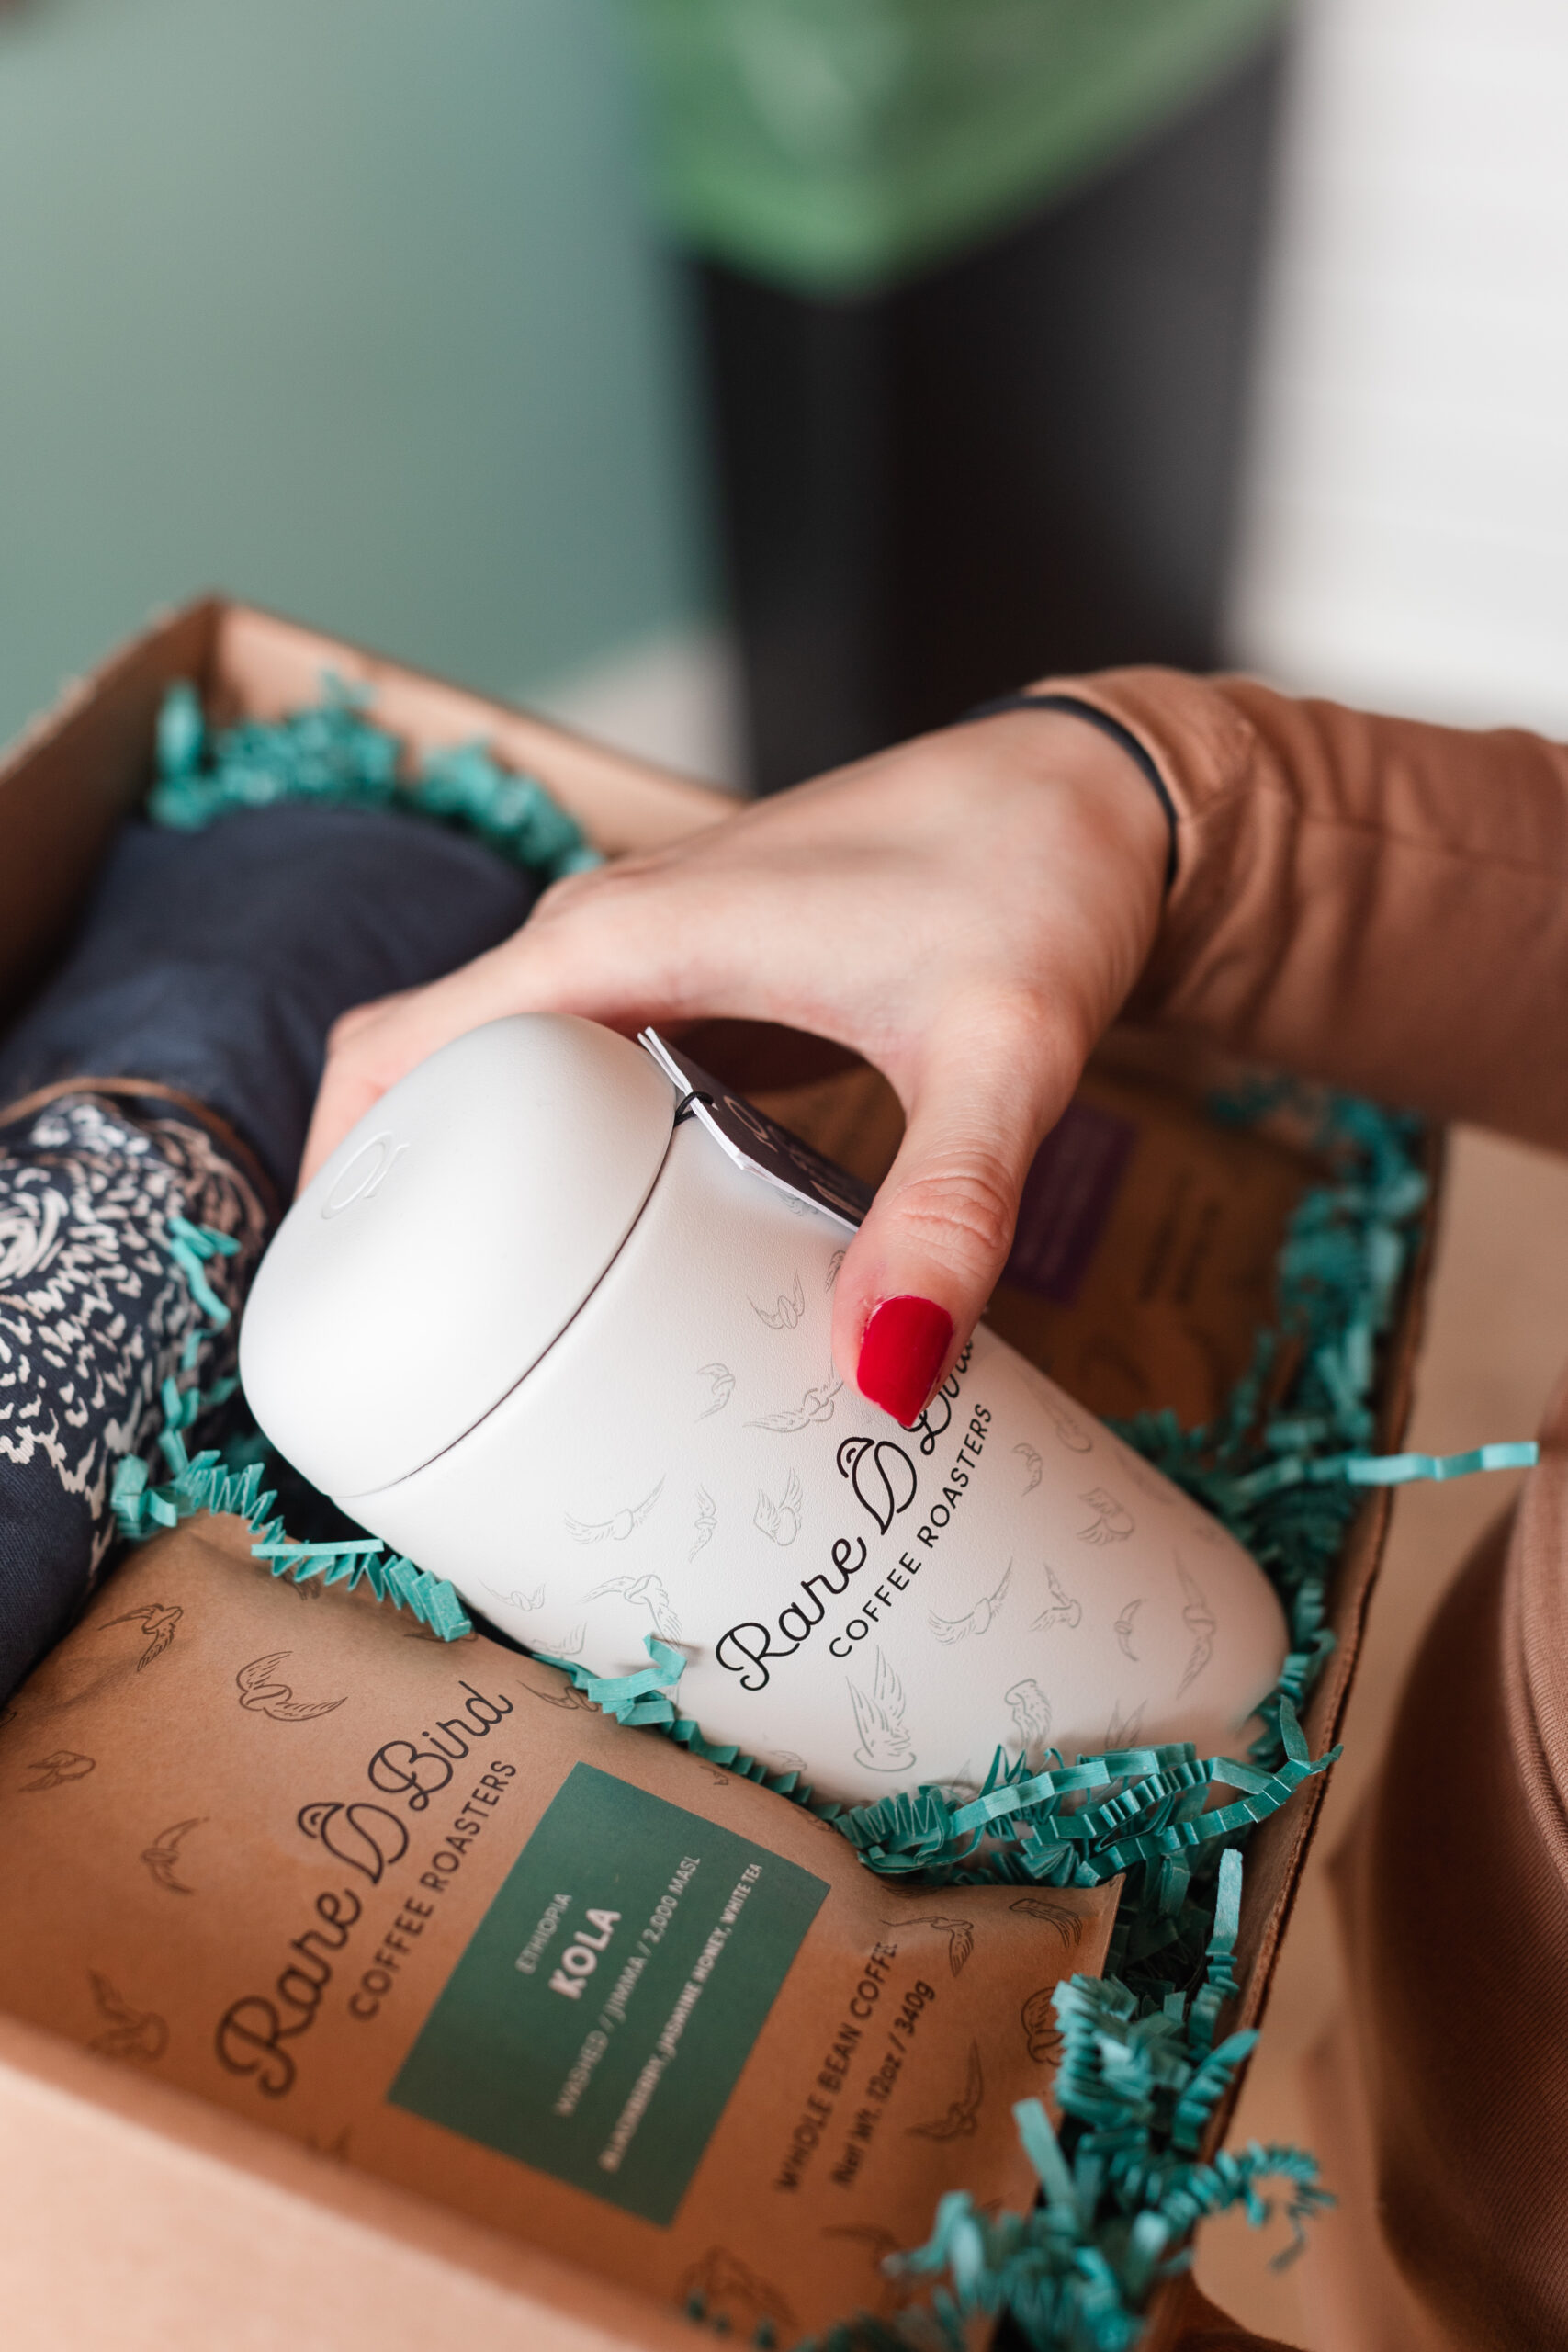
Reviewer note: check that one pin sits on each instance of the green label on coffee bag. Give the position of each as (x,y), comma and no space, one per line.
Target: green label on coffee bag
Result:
(598,2022)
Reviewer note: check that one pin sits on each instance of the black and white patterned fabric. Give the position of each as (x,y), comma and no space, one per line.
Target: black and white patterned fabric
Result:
(94,1317)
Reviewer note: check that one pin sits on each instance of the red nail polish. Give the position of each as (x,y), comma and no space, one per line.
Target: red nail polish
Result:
(902,1354)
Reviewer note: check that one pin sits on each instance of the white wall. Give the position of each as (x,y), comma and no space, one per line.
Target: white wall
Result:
(1407,535)
(675,698)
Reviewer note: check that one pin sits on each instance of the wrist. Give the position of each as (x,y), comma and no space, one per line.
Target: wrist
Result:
(1062,739)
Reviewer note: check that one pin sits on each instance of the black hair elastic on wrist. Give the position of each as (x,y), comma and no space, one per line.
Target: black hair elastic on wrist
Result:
(1107,726)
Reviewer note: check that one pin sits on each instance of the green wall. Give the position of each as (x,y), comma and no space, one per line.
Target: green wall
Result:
(347,306)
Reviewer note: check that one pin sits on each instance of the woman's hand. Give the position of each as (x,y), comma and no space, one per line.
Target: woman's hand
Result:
(968,911)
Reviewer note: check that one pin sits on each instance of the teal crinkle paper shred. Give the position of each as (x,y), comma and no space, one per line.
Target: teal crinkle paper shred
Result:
(1075,1826)
(1122,2186)
(333,753)
(229,1478)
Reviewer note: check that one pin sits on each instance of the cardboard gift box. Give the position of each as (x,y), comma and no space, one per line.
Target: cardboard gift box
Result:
(136,2215)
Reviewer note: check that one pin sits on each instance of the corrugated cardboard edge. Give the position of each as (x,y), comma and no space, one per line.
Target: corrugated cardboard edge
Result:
(1277,1852)
(76,770)
(134,2215)
(141,2218)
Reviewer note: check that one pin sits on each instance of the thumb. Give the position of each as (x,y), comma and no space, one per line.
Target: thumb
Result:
(917,1274)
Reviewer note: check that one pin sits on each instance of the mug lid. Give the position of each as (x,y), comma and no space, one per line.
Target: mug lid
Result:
(449,1240)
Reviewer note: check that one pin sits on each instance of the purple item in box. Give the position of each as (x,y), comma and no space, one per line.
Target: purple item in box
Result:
(1068,1196)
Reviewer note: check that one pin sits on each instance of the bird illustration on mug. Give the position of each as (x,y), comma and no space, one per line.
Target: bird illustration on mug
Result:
(619,1526)
(1031,1714)
(787,1312)
(721,1388)
(704,1525)
(642,1592)
(816,1405)
(524,1601)
(1112,1521)
(1064,1610)
(979,1620)
(883,1744)
(1123,1731)
(1123,1629)
(779,1521)
(1201,1622)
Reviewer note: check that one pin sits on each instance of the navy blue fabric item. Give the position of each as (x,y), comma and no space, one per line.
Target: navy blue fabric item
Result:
(216,962)
(213,963)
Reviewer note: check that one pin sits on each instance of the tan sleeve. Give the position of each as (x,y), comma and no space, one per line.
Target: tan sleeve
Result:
(1373,901)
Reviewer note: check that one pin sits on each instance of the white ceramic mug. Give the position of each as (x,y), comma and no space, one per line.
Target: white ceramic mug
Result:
(554,1344)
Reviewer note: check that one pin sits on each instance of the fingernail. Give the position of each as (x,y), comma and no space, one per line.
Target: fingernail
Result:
(902,1354)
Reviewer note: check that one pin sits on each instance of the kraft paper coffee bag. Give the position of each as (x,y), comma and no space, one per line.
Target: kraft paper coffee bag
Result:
(423,1907)
(1146,1255)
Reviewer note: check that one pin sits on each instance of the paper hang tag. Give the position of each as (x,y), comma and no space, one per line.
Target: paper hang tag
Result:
(759,1144)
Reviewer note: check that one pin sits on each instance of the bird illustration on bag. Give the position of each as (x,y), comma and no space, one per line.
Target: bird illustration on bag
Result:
(157,1622)
(261,1695)
(960,1934)
(732,2296)
(567,1696)
(1067,1925)
(128,2033)
(959,2122)
(63,1764)
(1041,2032)
(163,1855)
